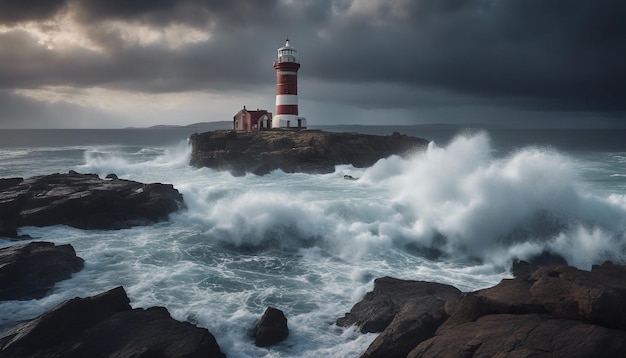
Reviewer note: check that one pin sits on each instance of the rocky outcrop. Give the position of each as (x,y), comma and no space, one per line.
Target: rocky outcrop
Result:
(30,270)
(106,326)
(83,201)
(315,152)
(530,335)
(557,311)
(271,329)
(378,308)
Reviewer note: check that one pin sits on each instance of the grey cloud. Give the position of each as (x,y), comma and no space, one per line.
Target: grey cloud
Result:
(560,53)
(12,11)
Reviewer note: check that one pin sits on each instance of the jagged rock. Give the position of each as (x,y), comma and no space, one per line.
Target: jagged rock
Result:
(315,152)
(271,329)
(556,311)
(83,201)
(521,268)
(106,326)
(417,321)
(379,307)
(30,270)
(531,335)
(597,297)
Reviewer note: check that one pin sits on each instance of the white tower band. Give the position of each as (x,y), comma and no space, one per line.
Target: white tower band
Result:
(287,67)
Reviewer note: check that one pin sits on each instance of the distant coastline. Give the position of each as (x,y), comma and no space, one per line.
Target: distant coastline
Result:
(502,137)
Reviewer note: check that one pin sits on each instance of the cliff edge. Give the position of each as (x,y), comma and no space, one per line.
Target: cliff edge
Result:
(314,152)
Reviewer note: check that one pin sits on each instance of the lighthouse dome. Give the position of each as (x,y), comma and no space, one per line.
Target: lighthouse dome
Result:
(287,53)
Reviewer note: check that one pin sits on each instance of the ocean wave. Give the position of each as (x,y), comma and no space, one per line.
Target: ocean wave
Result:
(134,164)
(485,207)
(458,201)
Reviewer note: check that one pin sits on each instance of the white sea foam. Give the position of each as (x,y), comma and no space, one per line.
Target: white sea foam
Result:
(483,205)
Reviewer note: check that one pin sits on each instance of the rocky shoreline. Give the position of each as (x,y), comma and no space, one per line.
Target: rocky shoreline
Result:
(556,310)
(313,152)
(105,325)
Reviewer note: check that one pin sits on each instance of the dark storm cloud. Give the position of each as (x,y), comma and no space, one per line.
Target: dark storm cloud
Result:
(536,54)
(12,11)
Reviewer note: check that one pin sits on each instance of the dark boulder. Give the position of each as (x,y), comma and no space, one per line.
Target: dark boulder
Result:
(417,321)
(315,152)
(378,308)
(84,201)
(271,329)
(106,326)
(30,270)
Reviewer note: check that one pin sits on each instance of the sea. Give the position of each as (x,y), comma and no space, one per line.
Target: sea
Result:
(457,212)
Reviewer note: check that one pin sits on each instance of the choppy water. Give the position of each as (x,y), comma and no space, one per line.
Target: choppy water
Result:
(311,245)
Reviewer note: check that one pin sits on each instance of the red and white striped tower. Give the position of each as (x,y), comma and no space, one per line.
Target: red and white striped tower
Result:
(287,67)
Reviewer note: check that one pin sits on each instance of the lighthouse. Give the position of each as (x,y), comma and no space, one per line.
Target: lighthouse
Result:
(287,66)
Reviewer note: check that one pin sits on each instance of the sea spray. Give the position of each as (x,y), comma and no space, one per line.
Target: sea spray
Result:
(477,205)
(460,200)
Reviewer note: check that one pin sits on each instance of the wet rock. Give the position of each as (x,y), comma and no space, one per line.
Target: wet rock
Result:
(30,270)
(531,335)
(521,268)
(106,326)
(417,321)
(555,311)
(83,201)
(597,296)
(379,307)
(314,152)
(271,329)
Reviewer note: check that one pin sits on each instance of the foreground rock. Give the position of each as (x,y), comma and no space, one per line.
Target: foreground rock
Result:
(557,311)
(405,311)
(30,270)
(312,152)
(106,326)
(83,201)
(272,328)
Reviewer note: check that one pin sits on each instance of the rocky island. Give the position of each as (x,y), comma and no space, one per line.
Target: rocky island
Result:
(311,151)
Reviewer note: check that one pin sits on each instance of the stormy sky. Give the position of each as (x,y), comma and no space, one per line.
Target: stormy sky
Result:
(117,63)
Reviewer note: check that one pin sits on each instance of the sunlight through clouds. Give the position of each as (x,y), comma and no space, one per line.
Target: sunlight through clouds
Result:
(174,35)
(59,33)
